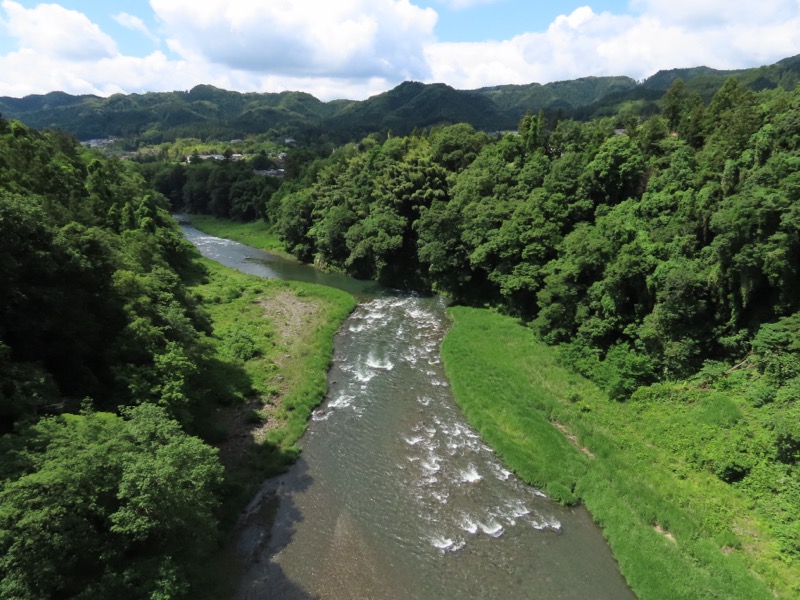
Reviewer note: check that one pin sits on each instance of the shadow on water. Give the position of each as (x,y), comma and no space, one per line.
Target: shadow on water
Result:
(245,569)
(267,527)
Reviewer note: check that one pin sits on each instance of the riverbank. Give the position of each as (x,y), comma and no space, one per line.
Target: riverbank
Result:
(273,342)
(676,532)
(486,510)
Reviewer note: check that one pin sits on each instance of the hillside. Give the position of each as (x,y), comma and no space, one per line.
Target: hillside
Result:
(211,113)
(659,262)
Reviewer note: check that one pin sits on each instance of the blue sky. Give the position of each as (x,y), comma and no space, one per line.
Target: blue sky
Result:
(504,19)
(356,48)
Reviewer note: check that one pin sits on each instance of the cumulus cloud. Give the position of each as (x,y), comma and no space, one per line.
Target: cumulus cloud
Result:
(711,13)
(134,23)
(351,50)
(306,38)
(157,72)
(667,34)
(356,48)
(52,30)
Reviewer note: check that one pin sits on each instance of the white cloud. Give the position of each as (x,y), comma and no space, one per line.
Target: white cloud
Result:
(711,13)
(356,48)
(462,4)
(346,38)
(134,23)
(28,72)
(666,35)
(52,30)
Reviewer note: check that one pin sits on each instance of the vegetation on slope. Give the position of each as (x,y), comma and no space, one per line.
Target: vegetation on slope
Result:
(650,250)
(207,112)
(274,340)
(115,375)
(660,255)
(641,467)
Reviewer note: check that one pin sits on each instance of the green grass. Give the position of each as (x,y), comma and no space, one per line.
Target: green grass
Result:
(260,375)
(641,482)
(253,234)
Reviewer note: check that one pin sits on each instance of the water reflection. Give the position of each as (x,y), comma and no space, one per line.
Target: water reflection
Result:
(263,264)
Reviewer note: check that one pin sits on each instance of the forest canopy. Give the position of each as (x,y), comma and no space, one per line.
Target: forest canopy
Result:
(658,255)
(104,492)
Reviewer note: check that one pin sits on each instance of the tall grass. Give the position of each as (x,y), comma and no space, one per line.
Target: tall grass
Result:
(676,531)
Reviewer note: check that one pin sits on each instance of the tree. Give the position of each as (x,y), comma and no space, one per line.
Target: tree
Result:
(454,147)
(106,507)
(616,171)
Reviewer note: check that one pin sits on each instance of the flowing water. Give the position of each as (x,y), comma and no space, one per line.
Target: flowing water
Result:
(394,495)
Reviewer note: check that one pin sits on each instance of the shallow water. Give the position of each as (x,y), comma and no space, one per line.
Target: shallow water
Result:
(396,497)
(263,264)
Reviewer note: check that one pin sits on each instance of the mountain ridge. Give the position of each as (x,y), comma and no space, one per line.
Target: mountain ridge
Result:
(208,112)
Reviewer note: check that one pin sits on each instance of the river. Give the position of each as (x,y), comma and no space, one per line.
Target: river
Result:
(394,496)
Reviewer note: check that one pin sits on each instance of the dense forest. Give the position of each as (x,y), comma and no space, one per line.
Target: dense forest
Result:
(653,247)
(661,256)
(104,492)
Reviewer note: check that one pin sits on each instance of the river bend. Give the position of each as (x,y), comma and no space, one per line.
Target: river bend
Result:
(394,495)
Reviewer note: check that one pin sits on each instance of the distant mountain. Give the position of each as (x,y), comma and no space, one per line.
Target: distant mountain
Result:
(211,113)
(706,81)
(560,95)
(413,104)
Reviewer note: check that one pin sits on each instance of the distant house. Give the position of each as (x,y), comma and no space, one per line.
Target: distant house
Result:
(206,157)
(279,173)
(98,143)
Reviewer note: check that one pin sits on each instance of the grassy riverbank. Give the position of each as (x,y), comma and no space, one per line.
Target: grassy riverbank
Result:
(273,342)
(677,531)
(253,234)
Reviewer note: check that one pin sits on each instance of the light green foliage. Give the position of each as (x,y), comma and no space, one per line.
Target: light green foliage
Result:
(674,239)
(654,466)
(294,223)
(651,253)
(246,336)
(94,311)
(676,248)
(615,172)
(106,507)
(455,147)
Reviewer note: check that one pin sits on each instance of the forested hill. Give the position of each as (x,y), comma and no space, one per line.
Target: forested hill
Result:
(209,113)
(659,246)
(103,492)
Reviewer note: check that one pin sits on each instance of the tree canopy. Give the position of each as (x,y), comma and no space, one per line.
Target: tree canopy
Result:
(103,493)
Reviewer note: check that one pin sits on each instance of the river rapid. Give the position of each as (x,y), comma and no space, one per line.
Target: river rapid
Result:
(394,496)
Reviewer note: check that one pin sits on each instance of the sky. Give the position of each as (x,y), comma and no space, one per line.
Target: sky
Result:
(357,48)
